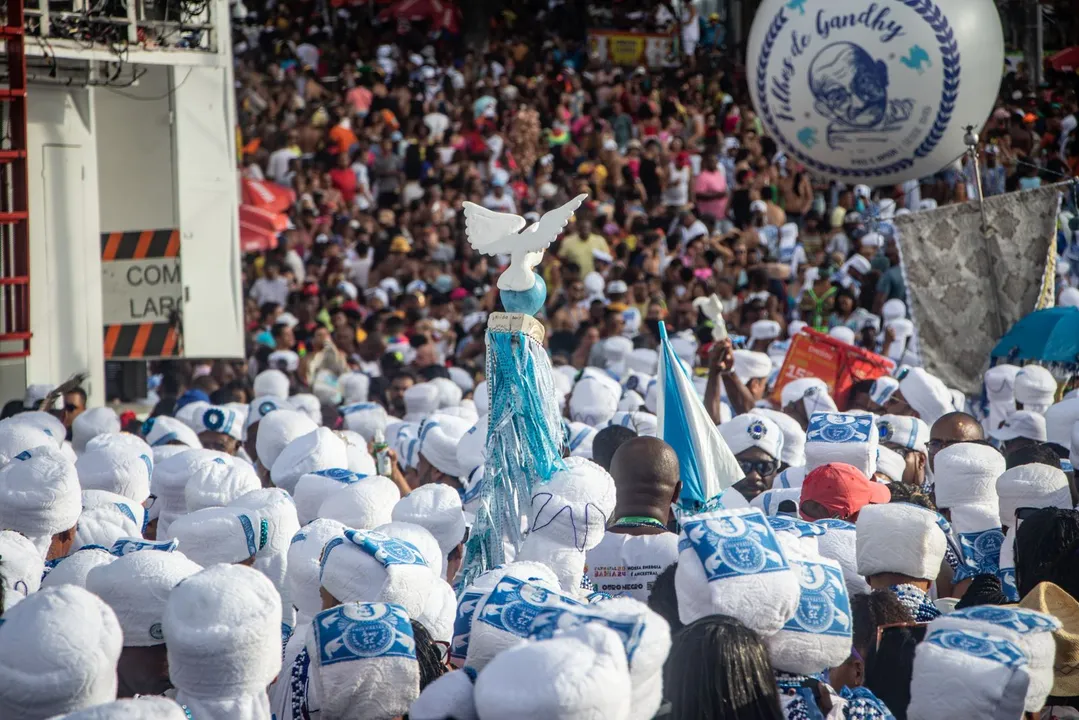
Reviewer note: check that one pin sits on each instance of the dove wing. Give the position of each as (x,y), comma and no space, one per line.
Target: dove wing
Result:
(485,228)
(551,225)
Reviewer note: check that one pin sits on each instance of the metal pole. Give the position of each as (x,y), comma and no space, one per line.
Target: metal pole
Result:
(1039,46)
(971,140)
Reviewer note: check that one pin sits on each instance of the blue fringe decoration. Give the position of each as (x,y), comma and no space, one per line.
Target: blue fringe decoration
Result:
(524,447)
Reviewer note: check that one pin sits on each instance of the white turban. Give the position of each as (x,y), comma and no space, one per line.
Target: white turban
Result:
(260,407)
(1060,419)
(1034,485)
(926,394)
(368,566)
(1021,424)
(363,662)
(273,383)
(1000,384)
(91,423)
(366,418)
(105,524)
(731,562)
(482,398)
(764,330)
(136,586)
(21,570)
(449,393)
(750,365)
(363,505)
(191,414)
(219,535)
(893,310)
(144,707)
(163,430)
(304,553)
(220,420)
(421,539)
(842,438)
(217,480)
(58,654)
(643,360)
(966,474)
(576,676)
(277,514)
(883,389)
(839,543)
(794,437)
(359,459)
(39,495)
(843,333)
(594,400)
(313,488)
(615,351)
(277,430)
(439,436)
(581,437)
(354,387)
(891,464)
(899,538)
(971,674)
(641,422)
(905,431)
(17,436)
(1035,388)
(437,508)
(319,449)
(811,391)
(73,569)
(450,697)
(114,463)
(167,486)
(752,430)
(223,626)
(421,400)
(309,405)
(46,422)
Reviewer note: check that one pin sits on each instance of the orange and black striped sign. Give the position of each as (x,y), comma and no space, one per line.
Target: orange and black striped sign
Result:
(147,339)
(140,244)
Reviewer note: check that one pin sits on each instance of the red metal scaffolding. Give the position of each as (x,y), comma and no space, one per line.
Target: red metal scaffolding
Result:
(14,206)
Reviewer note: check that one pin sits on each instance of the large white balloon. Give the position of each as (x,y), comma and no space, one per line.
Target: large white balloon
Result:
(874,92)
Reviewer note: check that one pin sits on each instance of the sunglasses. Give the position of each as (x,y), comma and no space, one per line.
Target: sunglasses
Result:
(764,468)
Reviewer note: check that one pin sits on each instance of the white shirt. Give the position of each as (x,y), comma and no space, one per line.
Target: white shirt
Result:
(839,243)
(629,564)
(277,166)
(265,290)
(677,192)
(500,204)
(437,123)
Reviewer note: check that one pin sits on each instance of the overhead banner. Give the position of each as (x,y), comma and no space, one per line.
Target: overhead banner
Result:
(141,294)
(630,48)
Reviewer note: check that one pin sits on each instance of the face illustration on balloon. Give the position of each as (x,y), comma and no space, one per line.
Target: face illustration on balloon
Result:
(850,88)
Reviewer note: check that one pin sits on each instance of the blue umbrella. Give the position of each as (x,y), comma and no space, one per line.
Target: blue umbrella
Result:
(1050,335)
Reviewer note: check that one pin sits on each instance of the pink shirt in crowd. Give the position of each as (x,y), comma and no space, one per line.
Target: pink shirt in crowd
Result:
(712,182)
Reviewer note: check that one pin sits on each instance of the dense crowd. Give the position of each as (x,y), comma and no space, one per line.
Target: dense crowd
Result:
(304,534)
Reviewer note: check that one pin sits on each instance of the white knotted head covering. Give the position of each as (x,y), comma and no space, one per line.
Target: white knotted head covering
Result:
(74,569)
(309,405)
(304,553)
(217,480)
(119,463)
(437,508)
(366,418)
(368,566)
(260,407)
(581,437)
(1031,631)
(273,383)
(450,697)
(594,399)
(966,474)
(136,587)
(219,535)
(363,505)
(421,400)
(1060,418)
(1033,485)
(18,435)
(842,438)
(645,424)
(39,495)
(46,422)
(811,392)
(145,707)
(58,654)
(926,394)
(439,436)
(162,431)
(277,514)
(21,570)
(905,431)
(363,662)
(320,449)
(580,675)
(311,490)
(106,523)
(91,423)
(354,387)
(223,626)
(1035,388)
(960,673)
(899,538)
(794,437)
(568,517)
(276,431)
(753,430)
(731,562)
(359,459)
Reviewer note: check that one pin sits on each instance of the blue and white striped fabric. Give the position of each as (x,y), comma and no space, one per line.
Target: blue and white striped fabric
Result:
(708,466)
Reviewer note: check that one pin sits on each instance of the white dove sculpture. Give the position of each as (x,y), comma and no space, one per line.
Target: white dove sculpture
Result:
(495,233)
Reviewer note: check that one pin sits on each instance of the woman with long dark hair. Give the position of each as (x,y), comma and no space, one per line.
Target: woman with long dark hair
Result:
(718,669)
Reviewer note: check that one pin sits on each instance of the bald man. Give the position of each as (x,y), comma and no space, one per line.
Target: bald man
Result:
(637,546)
(951,429)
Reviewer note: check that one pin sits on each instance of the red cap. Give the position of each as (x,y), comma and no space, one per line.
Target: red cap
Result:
(843,489)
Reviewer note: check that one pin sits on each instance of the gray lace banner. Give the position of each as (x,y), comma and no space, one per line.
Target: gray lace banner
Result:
(965,288)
